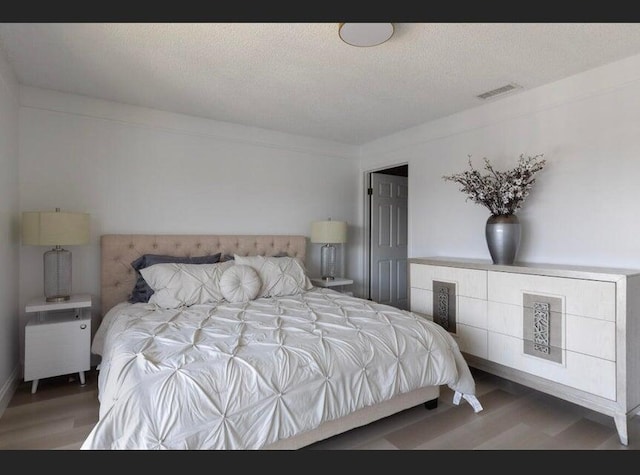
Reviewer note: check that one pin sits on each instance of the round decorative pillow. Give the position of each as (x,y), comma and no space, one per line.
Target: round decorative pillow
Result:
(240,283)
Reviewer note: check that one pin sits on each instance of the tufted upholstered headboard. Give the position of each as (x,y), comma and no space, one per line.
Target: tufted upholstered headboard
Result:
(117,251)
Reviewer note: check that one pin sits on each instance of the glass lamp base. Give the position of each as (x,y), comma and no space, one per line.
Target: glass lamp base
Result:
(328,262)
(57,275)
(62,298)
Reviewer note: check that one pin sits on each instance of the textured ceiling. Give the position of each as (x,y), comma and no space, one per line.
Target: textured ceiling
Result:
(299,77)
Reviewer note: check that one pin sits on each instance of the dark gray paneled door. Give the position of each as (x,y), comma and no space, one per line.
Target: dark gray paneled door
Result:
(388,240)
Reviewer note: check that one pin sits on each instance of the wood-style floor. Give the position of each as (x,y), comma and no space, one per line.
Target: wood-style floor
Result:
(62,413)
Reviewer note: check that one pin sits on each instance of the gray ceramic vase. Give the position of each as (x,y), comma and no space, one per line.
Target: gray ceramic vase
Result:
(503,238)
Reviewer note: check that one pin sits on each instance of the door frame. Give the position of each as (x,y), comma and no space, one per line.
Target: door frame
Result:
(366,281)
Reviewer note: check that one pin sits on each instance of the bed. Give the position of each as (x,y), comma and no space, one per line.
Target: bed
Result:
(278,368)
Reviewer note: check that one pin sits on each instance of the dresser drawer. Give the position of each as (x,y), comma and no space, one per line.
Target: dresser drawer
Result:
(473,341)
(470,311)
(581,297)
(590,336)
(593,375)
(420,300)
(469,282)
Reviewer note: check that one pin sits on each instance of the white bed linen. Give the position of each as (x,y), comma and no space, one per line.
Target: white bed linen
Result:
(244,375)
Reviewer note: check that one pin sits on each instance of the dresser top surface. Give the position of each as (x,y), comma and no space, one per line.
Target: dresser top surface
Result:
(559,270)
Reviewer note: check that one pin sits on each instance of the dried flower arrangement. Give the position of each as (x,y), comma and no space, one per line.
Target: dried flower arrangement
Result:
(503,192)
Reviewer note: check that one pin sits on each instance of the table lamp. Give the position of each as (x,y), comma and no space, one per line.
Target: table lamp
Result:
(328,233)
(57,229)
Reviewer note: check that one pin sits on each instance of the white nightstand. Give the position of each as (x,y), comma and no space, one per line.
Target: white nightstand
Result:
(57,339)
(337,282)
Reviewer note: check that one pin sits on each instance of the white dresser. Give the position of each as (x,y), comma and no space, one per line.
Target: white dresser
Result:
(573,332)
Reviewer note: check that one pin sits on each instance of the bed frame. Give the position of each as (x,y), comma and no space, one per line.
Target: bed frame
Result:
(117,279)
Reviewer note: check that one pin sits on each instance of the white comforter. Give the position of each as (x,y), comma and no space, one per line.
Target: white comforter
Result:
(242,376)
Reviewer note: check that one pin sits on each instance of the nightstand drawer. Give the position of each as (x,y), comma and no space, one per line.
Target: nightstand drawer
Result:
(56,348)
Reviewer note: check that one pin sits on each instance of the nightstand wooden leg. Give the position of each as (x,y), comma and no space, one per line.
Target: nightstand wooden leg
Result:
(82,380)
(34,386)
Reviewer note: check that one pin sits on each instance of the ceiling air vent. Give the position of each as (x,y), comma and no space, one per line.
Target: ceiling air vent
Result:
(499,91)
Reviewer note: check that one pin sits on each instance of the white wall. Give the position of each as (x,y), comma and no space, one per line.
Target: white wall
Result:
(9,235)
(584,208)
(138,170)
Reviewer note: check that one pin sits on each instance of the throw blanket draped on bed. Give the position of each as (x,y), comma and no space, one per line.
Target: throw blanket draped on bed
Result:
(242,376)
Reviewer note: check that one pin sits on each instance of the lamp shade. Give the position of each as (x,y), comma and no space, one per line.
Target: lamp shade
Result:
(329,232)
(55,228)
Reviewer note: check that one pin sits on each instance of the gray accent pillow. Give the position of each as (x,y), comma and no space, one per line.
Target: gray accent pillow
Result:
(141,291)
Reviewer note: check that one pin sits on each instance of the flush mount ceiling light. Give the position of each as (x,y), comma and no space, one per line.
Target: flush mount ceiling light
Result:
(365,34)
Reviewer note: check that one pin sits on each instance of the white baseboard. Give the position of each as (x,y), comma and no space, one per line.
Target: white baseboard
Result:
(8,389)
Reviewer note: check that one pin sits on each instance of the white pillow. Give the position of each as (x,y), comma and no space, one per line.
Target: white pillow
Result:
(240,283)
(179,285)
(280,276)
